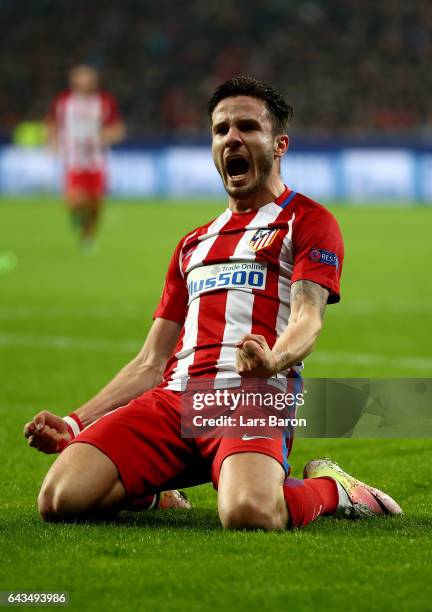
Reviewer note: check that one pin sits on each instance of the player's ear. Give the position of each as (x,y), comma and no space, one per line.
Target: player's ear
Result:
(281,144)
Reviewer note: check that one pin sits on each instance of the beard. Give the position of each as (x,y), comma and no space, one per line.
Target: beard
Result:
(263,165)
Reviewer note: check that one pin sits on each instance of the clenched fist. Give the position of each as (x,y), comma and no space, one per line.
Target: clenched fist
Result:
(255,358)
(48,433)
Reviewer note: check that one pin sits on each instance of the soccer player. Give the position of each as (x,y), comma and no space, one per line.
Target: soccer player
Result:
(82,122)
(214,325)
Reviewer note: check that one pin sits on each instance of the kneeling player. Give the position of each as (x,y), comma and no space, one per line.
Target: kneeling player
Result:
(244,296)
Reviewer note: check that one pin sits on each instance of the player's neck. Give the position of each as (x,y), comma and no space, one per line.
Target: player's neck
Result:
(84,94)
(271,190)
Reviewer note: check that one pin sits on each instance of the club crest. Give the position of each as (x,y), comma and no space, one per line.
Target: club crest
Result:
(263,238)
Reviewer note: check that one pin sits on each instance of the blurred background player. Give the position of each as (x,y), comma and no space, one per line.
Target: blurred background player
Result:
(82,122)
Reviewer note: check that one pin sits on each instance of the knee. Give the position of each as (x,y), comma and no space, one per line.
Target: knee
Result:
(251,512)
(46,503)
(55,503)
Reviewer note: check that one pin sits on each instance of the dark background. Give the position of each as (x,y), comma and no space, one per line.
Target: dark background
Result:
(351,68)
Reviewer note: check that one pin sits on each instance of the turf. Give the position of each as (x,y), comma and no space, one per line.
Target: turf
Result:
(68,322)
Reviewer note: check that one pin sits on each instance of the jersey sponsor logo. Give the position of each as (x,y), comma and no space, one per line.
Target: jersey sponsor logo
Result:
(239,275)
(323,256)
(263,238)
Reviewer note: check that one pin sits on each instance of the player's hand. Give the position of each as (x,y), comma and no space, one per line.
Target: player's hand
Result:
(255,358)
(48,433)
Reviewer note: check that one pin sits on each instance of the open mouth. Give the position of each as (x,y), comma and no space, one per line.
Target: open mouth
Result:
(237,166)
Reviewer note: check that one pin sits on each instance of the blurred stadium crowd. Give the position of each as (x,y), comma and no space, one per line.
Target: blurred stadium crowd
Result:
(348,66)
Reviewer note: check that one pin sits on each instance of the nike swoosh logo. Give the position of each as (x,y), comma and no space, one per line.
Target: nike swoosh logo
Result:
(247,437)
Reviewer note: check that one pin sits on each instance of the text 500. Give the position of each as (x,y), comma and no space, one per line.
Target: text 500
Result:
(251,279)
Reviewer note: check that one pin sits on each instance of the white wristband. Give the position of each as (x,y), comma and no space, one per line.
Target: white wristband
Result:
(72,424)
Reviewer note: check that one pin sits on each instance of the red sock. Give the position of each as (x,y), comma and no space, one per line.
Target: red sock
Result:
(146,502)
(310,498)
(149,502)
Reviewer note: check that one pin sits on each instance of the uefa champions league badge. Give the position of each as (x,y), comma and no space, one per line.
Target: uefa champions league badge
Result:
(323,256)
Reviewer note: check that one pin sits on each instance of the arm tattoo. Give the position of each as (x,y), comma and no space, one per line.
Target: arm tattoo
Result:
(310,293)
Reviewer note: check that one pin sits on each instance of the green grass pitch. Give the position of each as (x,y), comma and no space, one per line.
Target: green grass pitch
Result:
(68,322)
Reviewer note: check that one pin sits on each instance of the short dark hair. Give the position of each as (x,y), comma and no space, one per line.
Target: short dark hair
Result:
(280,111)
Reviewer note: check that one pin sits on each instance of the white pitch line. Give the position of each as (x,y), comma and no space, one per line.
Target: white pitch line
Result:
(393,308)
(92,312)
(415,363)
(103,345)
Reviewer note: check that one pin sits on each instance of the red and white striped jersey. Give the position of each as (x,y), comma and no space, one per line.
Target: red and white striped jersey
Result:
(233,276)
(80,119)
